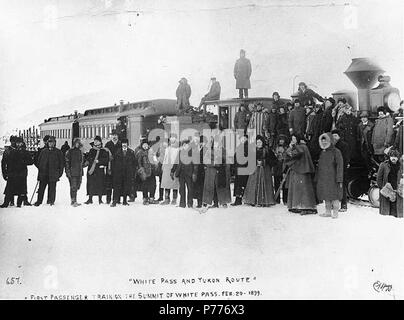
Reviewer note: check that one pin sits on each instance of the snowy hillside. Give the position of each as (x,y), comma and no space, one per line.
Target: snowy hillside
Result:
(97,250)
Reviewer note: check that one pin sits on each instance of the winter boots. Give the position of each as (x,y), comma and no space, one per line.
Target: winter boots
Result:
(237,202)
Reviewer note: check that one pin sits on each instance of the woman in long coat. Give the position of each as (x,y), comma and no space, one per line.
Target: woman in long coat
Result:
(329,176)
(216,187)
(259,190)
(168,181)
(97,161)
(301,196)
(388,173)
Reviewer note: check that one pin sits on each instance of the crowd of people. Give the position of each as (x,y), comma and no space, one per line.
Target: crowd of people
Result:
(303,150)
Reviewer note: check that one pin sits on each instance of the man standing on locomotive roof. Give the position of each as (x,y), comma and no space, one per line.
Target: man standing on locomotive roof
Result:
(242,74)
(113,146)
(50,168)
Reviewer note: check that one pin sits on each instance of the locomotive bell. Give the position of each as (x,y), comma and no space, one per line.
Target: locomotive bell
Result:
(363,73)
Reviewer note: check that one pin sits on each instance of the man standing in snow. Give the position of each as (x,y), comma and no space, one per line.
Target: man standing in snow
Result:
(242,74)
(74,162)
(113,146)
(50,169)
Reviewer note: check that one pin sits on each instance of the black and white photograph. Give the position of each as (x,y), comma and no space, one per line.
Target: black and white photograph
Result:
(201,150)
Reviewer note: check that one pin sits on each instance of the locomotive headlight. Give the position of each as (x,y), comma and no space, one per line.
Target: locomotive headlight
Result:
(393,101)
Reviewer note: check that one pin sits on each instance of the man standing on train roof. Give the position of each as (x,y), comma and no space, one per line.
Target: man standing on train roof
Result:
(183,94)
(307,96)
(50,168)
(113,146)
(242,74)
(14,169)
(214,92)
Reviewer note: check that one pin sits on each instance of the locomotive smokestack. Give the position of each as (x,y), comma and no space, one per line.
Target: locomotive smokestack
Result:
(363,73)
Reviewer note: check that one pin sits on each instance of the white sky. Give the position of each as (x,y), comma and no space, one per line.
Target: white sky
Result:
(94,47)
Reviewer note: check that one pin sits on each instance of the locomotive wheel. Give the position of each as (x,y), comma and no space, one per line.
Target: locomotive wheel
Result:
(373,195)
(355,188)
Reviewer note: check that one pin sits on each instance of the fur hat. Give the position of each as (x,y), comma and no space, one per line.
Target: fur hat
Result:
(75,140)
(381,109)
(331,100)
(326,140)
(124,141)
(98,138)
(394,153)
(364,114)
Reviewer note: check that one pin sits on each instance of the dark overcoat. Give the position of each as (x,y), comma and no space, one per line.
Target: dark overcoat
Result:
(96,180)
(50,164)
(14,165)
(348,127)
(242,73)
(123,168)
(301,194)
(74,162)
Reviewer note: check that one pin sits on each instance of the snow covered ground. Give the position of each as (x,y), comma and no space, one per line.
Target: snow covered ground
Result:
(96,250)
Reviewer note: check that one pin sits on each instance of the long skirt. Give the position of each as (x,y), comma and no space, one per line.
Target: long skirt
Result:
(301,192)
(211,185)
(96,183)
(259,189)
(166,181)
